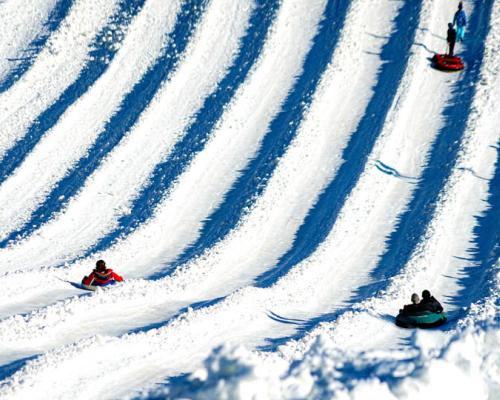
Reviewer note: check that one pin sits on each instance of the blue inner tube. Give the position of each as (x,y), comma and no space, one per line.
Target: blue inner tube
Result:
(424,319)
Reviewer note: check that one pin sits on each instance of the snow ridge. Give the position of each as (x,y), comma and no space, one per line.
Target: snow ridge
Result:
(273,179)
(56,66)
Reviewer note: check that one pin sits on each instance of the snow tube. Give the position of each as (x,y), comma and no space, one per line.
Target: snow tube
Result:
(444,62)
(94,287)
(423,319)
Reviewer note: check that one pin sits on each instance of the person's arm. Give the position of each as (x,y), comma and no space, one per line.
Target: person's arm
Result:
(436,305)
(117,277)
(455,18)
(88,280)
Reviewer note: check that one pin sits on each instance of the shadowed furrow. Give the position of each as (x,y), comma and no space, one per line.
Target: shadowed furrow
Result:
(442,160)
(321,218)
(118,125)
(282,130)
(24,61)
(166,173)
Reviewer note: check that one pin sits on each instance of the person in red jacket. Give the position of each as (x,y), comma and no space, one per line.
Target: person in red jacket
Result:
(101,276)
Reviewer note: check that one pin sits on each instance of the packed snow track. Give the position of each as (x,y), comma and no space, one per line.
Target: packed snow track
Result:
(272,178)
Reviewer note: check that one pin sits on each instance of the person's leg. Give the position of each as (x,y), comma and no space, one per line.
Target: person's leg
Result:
(460,33)
(452,45)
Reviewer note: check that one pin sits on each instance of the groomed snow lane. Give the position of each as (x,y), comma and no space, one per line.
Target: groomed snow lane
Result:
(318,138)
(54,69)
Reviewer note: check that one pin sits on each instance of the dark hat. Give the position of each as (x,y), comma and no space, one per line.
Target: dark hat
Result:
(426,294)
(100,265)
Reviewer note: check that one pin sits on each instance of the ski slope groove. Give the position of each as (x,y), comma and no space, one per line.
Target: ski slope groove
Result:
(273,179)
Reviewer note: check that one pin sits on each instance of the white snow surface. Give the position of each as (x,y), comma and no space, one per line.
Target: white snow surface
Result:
(465,366)
(55,68)
(262,227)
(155,133)
(79,126)
(128,340)
(20,24)
(209,167)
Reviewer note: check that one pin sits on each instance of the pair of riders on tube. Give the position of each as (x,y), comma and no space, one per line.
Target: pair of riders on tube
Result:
(428,303)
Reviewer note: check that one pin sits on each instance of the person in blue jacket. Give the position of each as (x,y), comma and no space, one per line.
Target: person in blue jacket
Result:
(460,20)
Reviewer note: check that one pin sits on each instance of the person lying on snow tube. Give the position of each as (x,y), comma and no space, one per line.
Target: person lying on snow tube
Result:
(100,276)
(425,313)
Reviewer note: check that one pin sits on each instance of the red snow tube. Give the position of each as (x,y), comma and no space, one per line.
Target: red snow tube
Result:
(444,62)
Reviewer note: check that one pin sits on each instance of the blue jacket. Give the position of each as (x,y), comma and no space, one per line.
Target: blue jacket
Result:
(460,19)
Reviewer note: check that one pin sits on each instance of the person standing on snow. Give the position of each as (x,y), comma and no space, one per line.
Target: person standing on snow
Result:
(460,20)
(451,38)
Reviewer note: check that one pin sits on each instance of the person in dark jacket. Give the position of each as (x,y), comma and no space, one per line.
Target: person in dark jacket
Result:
(451,38)
(412,308)
(460,20)
(429,303)
(101,276)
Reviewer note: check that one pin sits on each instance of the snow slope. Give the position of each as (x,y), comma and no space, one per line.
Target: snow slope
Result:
(272,178)
(21,25)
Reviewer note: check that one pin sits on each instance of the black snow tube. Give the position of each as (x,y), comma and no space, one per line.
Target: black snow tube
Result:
(423,319)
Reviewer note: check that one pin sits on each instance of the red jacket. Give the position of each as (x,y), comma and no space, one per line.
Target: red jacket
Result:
(101,278)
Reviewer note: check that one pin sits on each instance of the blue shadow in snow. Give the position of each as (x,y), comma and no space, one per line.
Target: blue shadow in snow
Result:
(479,277)
(193,142)
(322,216)
(301,329)
(284,320)
(442,160)
(283,128)
(11,368)
(185,310)
(472,172)
(54,19)
(413,223)
(386,169)
(102,51)
(120,123)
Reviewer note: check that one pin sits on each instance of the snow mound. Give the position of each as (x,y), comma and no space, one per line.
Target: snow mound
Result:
(466,366)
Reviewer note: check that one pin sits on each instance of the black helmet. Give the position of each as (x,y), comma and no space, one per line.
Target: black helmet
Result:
(100,266)
(426,294)
(450,25)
